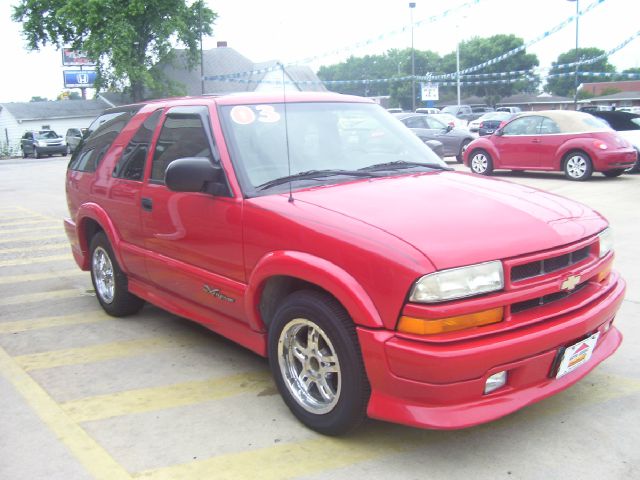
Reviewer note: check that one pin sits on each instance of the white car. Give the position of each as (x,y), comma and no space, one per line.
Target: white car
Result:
(449,119)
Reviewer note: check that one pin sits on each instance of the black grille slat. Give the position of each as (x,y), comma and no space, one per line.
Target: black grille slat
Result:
(545,300)
(548,265)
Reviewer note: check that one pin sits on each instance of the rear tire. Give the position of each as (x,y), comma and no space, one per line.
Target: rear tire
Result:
(480,162)
(109,281)
(36,153)
(316,363)
(577,166)
(613,173)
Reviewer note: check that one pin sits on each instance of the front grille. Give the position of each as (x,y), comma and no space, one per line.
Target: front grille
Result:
(548,265)
(552,297)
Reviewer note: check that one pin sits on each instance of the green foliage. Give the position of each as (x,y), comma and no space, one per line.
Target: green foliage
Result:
(125,38)
(39,99)
(397,63)
(565,86)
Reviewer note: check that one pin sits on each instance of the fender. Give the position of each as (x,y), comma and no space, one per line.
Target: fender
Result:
(93,211)
(566,147)
(482,144)
(314,270)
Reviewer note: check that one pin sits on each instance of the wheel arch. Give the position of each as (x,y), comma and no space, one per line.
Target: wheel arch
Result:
(280,273)
(91,219)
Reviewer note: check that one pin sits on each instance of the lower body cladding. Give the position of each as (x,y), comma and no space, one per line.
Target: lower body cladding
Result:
(442,386)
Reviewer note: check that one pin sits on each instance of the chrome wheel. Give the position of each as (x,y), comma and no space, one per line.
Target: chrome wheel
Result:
(309,366)
(479,163)
(103,274)
(576,166)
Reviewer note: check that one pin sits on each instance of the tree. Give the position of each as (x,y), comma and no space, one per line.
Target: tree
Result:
(479,50)
(126,39)
(564,85)
(37,98)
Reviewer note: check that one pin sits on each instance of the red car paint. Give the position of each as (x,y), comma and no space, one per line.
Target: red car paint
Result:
(366,242)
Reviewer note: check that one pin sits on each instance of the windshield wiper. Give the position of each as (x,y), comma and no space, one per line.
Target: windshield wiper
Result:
(312,175)
(400,164)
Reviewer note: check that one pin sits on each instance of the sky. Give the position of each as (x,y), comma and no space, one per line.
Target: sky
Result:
(292,31)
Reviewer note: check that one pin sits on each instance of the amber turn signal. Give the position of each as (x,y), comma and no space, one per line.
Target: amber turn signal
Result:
(421,326)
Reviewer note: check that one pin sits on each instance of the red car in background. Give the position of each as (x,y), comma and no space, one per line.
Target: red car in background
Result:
(573,142)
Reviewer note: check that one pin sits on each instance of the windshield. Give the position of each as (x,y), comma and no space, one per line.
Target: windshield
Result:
(46,134)
(451,109)
(327,143)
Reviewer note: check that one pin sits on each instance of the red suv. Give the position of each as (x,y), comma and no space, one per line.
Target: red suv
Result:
(320,232)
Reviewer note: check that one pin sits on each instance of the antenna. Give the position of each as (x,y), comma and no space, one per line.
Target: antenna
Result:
(286,129)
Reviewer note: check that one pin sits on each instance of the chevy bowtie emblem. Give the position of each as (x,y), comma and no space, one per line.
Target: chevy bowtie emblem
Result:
(570,283)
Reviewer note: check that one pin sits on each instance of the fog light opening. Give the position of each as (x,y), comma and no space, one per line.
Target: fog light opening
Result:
(495,381)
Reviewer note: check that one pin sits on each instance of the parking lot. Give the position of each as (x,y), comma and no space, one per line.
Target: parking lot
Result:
(153,396)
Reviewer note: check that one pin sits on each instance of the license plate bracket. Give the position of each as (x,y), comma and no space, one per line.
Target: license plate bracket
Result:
(576,355)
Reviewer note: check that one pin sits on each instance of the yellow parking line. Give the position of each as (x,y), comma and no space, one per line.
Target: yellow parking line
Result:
(289,460)
(91,455)
(36,248)
(39,297)
(49,322)
(32,277)
(22,221)
(31,229)
(160,398)
(32,238)
(32,261)
(98,353)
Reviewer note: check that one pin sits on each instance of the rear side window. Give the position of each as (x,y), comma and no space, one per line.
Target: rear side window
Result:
(181,136)
(88,157)
(133,159)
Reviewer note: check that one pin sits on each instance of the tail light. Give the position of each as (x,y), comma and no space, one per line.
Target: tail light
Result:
(600,144)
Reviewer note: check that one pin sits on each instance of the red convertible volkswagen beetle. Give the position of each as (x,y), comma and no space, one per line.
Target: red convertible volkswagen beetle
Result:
(318,231)
(573,142)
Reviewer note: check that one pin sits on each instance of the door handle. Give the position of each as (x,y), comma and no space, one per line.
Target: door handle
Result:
(147,204)
(536,140)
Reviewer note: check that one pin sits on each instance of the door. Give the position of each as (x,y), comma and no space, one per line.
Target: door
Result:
(193,240)
(519,143)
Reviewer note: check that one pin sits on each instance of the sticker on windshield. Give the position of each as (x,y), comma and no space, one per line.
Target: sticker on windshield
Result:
(268,114)
(242,115)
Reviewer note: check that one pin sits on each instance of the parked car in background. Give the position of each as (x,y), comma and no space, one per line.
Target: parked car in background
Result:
(320,233)
(490,122)
(574,142)
(449,119)
(428,110)
(628,109)
(394,110)
(42,142)
(73,138)
(463,112)
(509,109)
(428,127)
(436,147)
(627,125)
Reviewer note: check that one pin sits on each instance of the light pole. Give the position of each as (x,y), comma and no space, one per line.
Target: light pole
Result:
(575,82)
(458,64)
(412,5)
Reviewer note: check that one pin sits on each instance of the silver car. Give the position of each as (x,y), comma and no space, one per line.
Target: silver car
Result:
(454,140)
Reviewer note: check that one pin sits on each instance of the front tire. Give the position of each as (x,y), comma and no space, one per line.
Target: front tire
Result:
(36,153)
(463,148)
(481,163)
(578,166)
(316,363)
(109,281)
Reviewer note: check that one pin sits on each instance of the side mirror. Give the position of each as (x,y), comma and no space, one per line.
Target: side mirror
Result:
(449,128)
(191,174)
(498,132)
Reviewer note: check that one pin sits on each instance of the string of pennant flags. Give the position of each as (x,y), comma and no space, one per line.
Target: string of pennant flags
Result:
(260,72)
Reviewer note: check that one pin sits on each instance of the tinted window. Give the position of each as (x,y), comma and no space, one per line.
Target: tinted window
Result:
(98,142)
(133,159)
(181,136)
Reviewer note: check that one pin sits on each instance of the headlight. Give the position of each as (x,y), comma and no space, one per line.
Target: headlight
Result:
(459,283)
(42,144)
(606,241)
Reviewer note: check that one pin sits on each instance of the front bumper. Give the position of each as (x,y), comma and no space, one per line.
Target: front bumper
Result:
(441,386)
(52,150)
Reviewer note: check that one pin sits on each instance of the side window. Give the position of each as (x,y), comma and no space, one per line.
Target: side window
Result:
(131,164)
(94,147)
(437,124)
(415,122)
(548,127)
(182,135)
(523,126)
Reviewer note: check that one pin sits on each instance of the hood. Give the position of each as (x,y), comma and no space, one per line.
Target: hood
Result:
(458,219)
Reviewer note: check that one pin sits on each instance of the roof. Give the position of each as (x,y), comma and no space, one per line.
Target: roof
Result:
(569,121)
(55,109)
(635,95)
(222,61)
(526,99)
(597,88)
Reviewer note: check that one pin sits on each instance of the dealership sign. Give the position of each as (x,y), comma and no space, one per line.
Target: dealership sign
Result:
(429,91)
(75,58)
(79,78)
